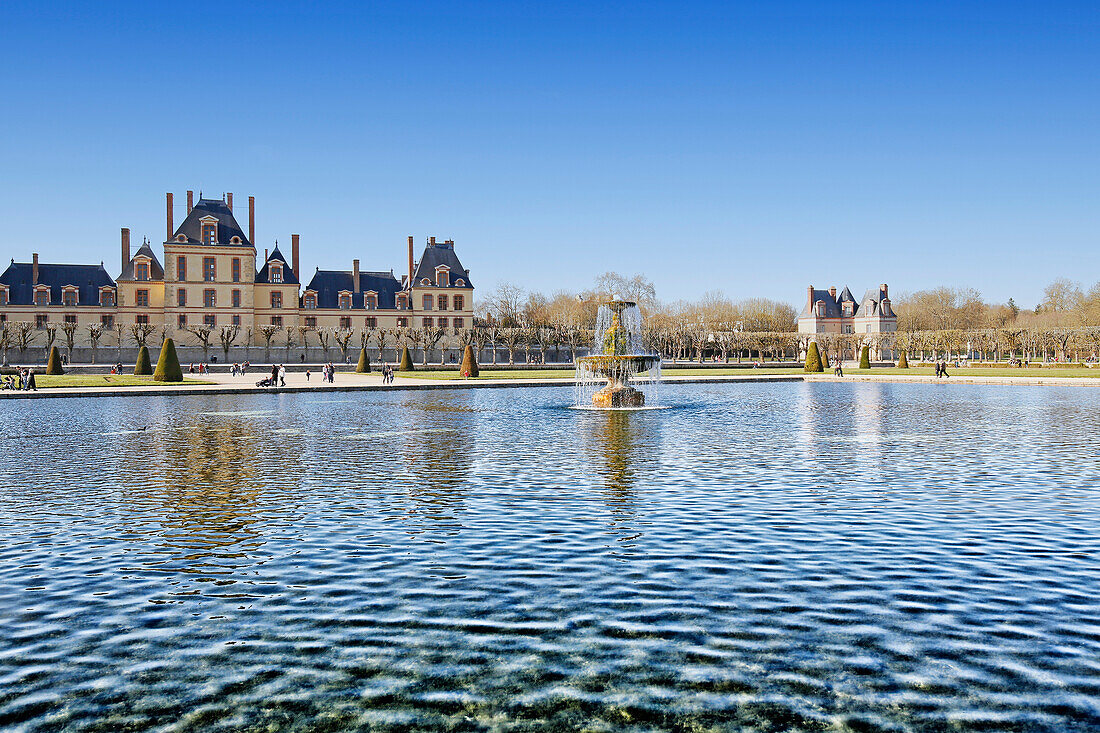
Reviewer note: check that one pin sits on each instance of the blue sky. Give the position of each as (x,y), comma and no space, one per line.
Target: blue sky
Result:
(753,148)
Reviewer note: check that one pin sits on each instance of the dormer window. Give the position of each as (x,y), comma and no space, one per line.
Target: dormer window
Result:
(3,295)
(276,273)
(848,308)
(370,301)
(309,302)
(820,310)
(209,233)
(107,298)
(141,270)
(402,301)
(425,281)
(181,237)
(345,300)
(235,239)
(69,296)
(42,295)
(460,283)
(442,276)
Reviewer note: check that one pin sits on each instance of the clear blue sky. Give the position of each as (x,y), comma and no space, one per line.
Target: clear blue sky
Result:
(749,147)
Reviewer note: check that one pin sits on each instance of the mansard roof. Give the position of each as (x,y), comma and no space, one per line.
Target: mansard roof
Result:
(876,302)
(227,225)
(19,277)
(846,294)
(441,253)
(289,276)
(329,283)
(156,272)
(832,308)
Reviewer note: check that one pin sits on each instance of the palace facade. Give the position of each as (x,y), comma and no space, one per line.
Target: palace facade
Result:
(211,275)
(828,312)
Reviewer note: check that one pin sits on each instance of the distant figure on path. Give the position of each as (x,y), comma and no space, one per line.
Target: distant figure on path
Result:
(307,375)
(274,375)
(282,375)
(31,384)
(838,370)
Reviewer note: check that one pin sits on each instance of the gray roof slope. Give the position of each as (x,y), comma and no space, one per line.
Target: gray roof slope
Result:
(832,310)
(87,278)
(227,225)
(880,308)
(289,276)
(328,284)
(441,253)
(156,272)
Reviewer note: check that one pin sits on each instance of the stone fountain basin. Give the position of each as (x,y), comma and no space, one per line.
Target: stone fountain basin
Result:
(612,366)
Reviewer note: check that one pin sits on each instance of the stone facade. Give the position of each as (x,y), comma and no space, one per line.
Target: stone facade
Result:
(211,277)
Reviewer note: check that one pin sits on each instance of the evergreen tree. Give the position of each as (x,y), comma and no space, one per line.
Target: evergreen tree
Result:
(406,364)
(813,358)
(469,362)
(865,357)
(168,365)
(363,367)
(53,366)
(903,362)
(143,367)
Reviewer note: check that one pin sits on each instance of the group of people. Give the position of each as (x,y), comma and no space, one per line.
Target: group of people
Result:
(26,381)
(239,369)
(941,368)
(200,369)
(387,374)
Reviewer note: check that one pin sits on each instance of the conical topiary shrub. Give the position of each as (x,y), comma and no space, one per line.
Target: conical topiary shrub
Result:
(813,358)
(143,367)
(469,362)
(53,366)
(363,367)
(825,358)
(865,358)
(168,365)
(406,364)
(903,362)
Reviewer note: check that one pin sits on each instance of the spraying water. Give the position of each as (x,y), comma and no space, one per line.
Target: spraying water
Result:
(606,378)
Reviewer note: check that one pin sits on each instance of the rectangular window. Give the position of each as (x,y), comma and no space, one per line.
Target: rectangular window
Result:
(236,269)
(141,298)
(459,302)
(107,299)
(107,321)
(42,297)
(3,317)
(70,318)
(3,296)
(345,302)
(402,322)
(345,321)
(370,301)
(276,299)
(208,320)
(427,302)
(141,271)
(276,320)
(442,301)
(181,320)
(209,269)
(41,321)
(236,298)
(209,233)
(68,298)
(141,318)
(310,301)
(236,320)
(442,322)
(209,298)
(428,322)
(371,322)
(181,297)
(181,268)
(311,321)
(276,274)
(458,323)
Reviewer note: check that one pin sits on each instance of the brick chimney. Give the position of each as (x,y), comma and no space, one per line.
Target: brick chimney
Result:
(252,220)
(34,269)
(190,201)
(171,229)
(810,300)
(885,291)
(355,276)
(832,292)
(431,241)
(410,283)
(125,247)
(229,201)
(265,255)
(294,256)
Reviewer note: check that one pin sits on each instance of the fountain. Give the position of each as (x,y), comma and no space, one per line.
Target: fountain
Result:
(620,359)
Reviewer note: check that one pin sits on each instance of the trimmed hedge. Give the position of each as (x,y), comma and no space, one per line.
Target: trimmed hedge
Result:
(406,364)
(363,367)
(469,363)
(865,358)
(813,358)
(903,362)
(53,366)
(825,358)
(143,367)
(168,365)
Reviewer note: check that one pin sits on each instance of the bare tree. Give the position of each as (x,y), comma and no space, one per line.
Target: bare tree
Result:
(68,329)
(140,333)
(303,338)
(95,333)
(202,334)
(5,340)
(290,331)
(120,331)
(343,338)
(414,336)
(228,335)
(380,337)
(268,332)
(22,336)
(505,304)
(323,336)
(432,336)
(51,336)
(511,338)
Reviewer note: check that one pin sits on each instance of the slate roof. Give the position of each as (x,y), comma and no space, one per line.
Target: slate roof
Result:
(441,253)
(156,272)
(88,279)
(874,306)
(227,225)
(832,309)
(289,276)
(329,283)
(871,305)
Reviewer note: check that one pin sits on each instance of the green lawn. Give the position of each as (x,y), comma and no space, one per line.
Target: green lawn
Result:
(46,381)
(990,372)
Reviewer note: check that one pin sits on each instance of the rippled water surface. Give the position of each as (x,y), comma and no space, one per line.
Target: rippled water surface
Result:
(759,557)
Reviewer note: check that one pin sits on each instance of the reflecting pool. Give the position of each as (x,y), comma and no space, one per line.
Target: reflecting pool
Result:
(766,557)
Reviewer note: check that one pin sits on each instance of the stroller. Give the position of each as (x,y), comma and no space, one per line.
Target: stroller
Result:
(265,382)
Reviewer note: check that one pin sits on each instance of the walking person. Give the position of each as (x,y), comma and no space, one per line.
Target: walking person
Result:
(274,375)
(282,375)
(31,384)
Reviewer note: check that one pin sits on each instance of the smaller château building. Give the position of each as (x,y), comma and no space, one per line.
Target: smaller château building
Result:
(829,312)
